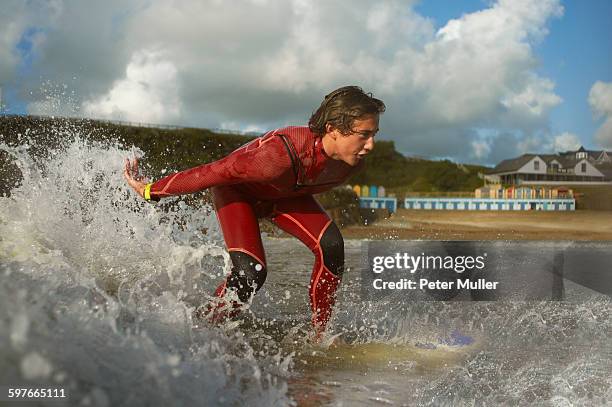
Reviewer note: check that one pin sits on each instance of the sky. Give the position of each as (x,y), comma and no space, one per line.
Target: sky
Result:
(474,81)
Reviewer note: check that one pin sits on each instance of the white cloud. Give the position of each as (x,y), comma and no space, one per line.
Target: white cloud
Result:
(535,99)
(148,93)
(55,100)
(600,99)
(480,67)
(17,22)
(11,30)
(481,148)
(249,128)
(565,142)
(261,64)
(535,143)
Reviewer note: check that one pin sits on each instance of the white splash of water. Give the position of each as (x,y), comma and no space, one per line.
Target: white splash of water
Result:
(97,289)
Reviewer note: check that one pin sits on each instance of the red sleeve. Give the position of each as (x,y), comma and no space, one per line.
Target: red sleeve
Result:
(263,159)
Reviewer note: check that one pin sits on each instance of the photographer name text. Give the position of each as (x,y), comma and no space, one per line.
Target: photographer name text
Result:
(423,283)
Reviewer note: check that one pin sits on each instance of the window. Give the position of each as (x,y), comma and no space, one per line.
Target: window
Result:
(583,167)
(555,167)
(536,165)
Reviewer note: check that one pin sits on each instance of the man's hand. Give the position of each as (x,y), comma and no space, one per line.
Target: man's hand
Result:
(134,179)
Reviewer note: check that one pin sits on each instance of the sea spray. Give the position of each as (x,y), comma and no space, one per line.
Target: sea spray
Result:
(97,289)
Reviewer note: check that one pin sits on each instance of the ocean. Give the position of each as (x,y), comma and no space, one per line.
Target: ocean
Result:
(97,290)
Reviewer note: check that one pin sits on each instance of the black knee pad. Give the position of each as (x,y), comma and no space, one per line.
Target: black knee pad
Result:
(247,276)
(332,245)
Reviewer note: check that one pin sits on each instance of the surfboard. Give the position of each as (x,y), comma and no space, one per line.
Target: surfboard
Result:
(443,351)
(333,352)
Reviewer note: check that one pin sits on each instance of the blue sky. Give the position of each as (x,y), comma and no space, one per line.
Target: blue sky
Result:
(458,82)
(576,53)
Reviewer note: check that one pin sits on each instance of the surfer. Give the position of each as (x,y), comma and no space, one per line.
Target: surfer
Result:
(275,176)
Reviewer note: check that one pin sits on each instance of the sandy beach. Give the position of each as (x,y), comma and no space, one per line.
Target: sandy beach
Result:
(488,225)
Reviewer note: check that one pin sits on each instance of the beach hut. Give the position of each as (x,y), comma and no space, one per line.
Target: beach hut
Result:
(564,193)
(357,190)
(373,191)
(365,191)
(520,193)
(495,191)
(381,191)
(524,193)
(481,192)
(499,192)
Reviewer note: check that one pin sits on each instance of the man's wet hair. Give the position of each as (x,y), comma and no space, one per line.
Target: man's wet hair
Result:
(342,107)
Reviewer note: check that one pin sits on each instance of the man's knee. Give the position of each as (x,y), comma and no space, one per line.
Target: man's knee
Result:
(332,246)
(247,276)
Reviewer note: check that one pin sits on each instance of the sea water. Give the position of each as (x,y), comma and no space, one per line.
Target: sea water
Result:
(97,290)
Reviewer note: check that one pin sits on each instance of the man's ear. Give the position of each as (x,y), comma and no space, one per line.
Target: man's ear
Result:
(330,129)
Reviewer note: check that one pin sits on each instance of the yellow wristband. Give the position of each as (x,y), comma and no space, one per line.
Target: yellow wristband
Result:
(147,192)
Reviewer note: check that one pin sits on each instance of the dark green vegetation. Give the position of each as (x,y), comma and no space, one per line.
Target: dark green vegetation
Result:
(164,149)
(178,149)
(404,175)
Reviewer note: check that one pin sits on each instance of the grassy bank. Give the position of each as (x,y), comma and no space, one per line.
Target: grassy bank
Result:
(173,149)
(177,149)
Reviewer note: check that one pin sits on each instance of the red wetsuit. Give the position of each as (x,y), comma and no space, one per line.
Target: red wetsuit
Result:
(272,176)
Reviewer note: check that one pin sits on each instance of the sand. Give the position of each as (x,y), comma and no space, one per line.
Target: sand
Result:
(488,225)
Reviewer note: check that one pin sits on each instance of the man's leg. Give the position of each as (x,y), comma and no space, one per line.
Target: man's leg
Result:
(304,218)
(243,241)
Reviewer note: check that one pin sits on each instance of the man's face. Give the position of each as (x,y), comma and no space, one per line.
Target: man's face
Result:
(354,146)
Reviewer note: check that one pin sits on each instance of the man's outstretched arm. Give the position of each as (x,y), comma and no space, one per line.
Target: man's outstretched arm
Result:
(261,160)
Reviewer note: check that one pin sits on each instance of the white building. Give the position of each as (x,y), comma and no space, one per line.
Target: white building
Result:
(581,167)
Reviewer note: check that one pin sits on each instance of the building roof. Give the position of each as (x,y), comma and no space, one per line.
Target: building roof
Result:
(568,162)
(564,161)
(606,169)
(603,154)
(512,164)
(567,159)
(591,154)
